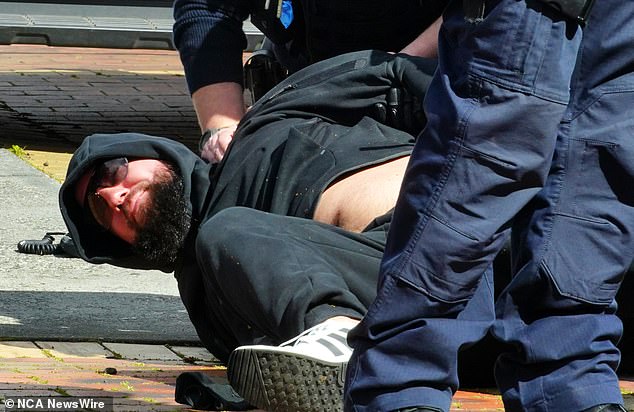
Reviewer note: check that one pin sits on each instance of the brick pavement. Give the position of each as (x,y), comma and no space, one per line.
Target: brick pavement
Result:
(145,374)
(55,96)
(139,378)
(50,99)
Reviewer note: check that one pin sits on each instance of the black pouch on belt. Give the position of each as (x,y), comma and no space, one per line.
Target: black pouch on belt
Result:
(578,10)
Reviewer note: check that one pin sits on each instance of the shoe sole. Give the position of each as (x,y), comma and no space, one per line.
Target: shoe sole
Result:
(283,382)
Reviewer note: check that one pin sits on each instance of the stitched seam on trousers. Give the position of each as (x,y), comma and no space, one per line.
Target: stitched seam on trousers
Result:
(425,291)
(381,296)
(547,399)
(514,87)
(585,219)
(438,189)
(454,229)
(571,295)
(440,185)
(550,219)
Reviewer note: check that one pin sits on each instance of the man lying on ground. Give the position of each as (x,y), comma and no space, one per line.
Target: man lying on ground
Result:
(314,153)
(284,237)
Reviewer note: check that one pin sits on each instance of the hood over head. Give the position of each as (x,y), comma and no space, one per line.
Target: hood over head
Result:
(99,246)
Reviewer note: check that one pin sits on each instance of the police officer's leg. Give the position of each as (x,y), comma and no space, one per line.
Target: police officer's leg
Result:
(277,276)
(493,111)
(559,311)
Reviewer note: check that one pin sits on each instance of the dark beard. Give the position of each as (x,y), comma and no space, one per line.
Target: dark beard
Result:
(167,222)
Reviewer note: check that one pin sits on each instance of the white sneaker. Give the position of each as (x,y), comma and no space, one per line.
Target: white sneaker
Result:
(305,374)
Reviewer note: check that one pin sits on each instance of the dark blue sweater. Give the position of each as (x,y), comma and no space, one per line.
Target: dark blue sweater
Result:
(209,36)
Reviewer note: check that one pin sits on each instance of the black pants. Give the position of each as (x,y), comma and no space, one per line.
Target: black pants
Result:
(275,276)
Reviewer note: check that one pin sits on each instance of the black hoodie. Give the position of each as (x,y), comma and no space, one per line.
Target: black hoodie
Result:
(302,135)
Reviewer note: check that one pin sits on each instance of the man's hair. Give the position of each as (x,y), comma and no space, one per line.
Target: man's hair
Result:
(167,221)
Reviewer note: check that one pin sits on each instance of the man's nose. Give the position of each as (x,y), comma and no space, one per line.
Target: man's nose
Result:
(114,196)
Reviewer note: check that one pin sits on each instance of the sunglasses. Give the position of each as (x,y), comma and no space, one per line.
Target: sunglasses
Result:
(109,173)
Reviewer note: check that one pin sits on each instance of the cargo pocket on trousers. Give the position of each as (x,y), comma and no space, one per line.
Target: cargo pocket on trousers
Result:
(588,277)
(448,265)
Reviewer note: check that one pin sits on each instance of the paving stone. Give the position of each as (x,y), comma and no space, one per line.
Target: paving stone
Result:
(194,353)
(75,349)
(4,387)
(142,352)
(39,392)
(20,350)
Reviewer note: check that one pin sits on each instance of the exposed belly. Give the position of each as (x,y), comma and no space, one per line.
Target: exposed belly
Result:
(354,200)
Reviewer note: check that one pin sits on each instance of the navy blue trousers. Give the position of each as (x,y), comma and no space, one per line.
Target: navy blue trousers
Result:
(530,134)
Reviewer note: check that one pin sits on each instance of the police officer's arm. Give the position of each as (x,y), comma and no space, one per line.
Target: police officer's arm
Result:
(426,44)
(208,35)
(218,106)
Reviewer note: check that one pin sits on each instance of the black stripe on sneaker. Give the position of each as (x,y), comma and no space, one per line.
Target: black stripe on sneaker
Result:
(332,348)
(339,338)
